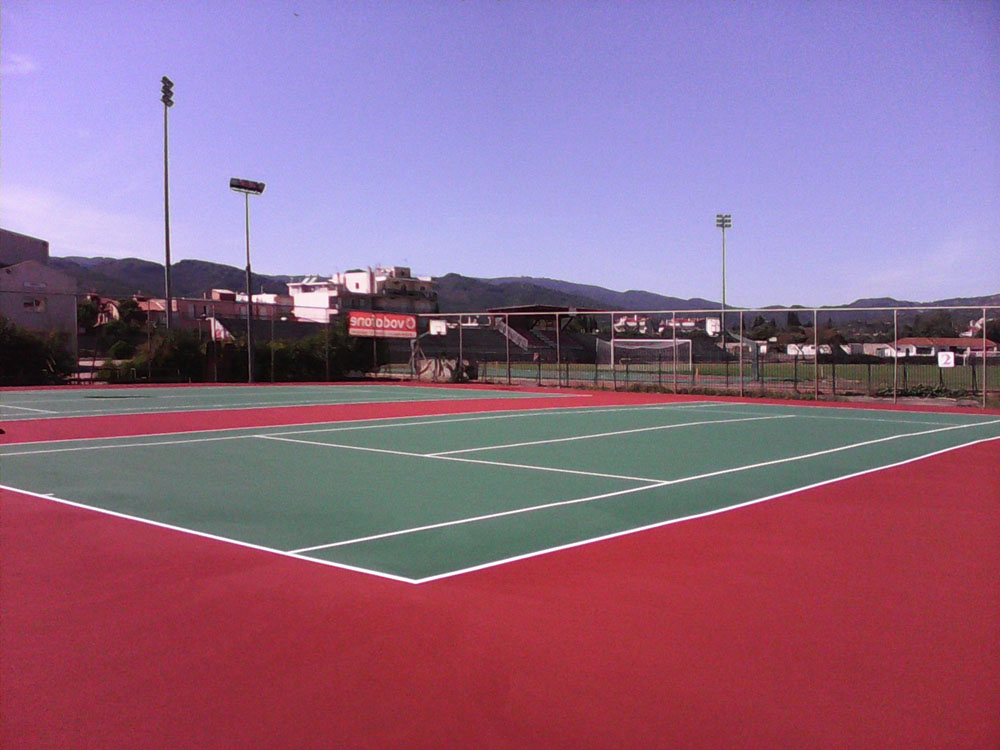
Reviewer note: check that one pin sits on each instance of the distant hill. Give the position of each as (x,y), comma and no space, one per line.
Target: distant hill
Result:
(610,300)
(991,299)
(464,294)
(122,277)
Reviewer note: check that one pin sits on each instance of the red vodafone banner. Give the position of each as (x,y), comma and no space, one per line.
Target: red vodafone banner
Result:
(381,325)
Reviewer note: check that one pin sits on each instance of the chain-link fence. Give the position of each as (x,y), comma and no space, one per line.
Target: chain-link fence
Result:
(810,353)
(800,352)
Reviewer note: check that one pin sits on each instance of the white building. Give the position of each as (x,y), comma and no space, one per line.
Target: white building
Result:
(807,350)
(390,289)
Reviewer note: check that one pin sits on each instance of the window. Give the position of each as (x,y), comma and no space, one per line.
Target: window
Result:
(34,304)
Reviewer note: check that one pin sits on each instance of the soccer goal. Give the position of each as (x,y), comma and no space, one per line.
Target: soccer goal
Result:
(657,355)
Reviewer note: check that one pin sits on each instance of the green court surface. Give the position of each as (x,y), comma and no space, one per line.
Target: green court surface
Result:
(421,498)
(92,402)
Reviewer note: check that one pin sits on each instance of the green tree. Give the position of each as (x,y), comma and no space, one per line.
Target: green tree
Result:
(131,313)
(993,330)
(28,358)
(121,350)
(762,329)
(86,314)
(936,324)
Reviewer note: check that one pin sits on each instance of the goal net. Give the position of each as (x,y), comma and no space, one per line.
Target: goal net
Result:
(655,354)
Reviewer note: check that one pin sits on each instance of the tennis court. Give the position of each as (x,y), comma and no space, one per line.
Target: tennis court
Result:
(422,498)
(426,566)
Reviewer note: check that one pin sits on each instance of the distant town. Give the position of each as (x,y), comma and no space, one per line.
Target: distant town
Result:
(36,295)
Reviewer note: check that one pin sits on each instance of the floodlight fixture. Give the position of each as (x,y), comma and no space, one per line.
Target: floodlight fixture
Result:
(246,186)
(167,89)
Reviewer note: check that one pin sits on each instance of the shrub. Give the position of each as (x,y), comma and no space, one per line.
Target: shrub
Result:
(121,350)
(28,358)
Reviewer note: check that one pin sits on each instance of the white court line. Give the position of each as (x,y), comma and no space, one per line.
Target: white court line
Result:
(554,469)
(205,534)
(608,434)
(227,407)
(808,414)
(626,532)
(199,392)
(485,517)
(363,449)
(194,394)
(546,411)
(42,411)
(657,483)
(354,424)
(76,448)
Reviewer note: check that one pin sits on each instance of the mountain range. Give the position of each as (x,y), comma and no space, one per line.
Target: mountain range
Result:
(122,277)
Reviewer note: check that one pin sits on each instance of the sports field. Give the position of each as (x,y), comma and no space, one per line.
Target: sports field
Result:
(440,486)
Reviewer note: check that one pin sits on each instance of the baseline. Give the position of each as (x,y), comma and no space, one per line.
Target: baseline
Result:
(203,534)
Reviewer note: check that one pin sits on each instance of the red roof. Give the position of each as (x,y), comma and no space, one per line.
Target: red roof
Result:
(963,342)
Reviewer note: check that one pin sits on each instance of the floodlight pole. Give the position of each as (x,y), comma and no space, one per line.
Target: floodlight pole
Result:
(246,197)
(248,188)
(724,222)
(167,88)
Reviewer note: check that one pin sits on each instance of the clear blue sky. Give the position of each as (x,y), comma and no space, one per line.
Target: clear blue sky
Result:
(856,144)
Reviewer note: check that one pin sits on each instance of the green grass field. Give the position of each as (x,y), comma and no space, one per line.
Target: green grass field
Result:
(833,378)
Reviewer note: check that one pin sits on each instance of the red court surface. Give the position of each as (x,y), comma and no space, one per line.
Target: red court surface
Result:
(864,613)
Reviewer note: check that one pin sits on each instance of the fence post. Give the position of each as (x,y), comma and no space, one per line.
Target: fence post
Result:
(597,350)
(149,347)
(985,372)
(614,367)
(506,325)
(741,353)
(815,355)
(895,352)
(725,352)
(558,355)
(673,326)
